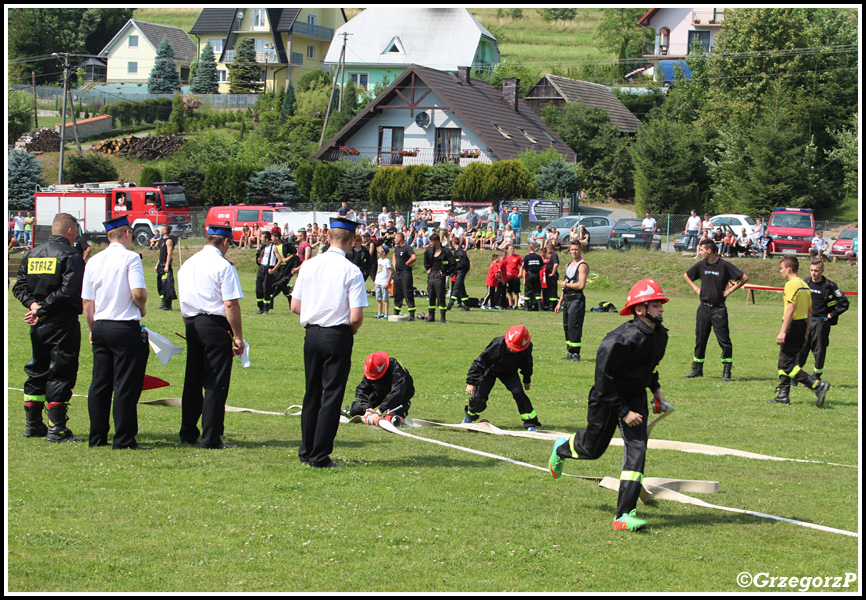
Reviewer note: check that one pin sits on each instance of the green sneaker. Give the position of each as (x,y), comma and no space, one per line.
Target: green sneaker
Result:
(556,462)
(628,522)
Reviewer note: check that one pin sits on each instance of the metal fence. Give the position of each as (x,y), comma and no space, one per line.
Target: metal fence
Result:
(219,101)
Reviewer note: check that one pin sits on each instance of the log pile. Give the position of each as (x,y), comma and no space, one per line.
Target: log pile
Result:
(39,140)
(145,148)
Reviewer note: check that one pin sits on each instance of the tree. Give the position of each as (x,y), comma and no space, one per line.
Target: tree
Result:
(20,115)
(178,114)
(440,181)
(206,80)
(164,78)
(288,107)
(355,182)
(845,152)
(557,180)
(244,73)
(273,184)
(509,180)
(304,178)
(471,184)
(87,168)
(326,182)
(559,14)
(25,173)
(619,32)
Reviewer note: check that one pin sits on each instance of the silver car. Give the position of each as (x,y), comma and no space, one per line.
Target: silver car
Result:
(598,226)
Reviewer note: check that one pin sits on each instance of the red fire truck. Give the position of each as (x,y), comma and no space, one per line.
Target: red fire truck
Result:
(92,203)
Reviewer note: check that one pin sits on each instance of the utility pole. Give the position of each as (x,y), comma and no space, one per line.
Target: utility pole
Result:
(63,120)
(334,87)
(35,106)
(74,122)
(342,69)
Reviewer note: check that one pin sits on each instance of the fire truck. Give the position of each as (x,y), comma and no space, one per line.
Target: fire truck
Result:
(147,208)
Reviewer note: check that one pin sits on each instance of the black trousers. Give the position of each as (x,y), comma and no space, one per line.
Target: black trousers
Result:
(436,284)
(789,367)
(165,285)
(573,313)
(53,367)
(550,294)
(716,318)
(120,352)
(404,288)
(208,366)
(264,288)
(592,442)
(458,288)
(478,401)
(327,362)
(817,341)
(532,293)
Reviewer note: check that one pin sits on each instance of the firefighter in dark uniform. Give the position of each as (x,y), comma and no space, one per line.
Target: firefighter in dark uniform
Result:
(626,365)
(828,302)
(532,268)
(461,269)
(503,358)
(269,259)
(404,287)
(714,275)
(386,385)
(165,269)
(551,274)
(438,264)
(572,303)
(49,286)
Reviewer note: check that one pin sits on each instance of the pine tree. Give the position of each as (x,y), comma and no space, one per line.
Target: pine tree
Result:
(244,73)
(206,80)
(164,78)
(25,173)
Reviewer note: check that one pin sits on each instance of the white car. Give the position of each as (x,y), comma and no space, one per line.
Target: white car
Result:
(736,222)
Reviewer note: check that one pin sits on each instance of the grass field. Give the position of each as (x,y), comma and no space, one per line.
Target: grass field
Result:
(410,516)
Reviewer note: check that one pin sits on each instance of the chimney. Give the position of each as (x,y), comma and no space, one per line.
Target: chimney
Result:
(510,86)
(463,75)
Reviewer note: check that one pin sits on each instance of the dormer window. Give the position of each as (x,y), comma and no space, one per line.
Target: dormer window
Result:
(394,46)
(528,137)
(501,131)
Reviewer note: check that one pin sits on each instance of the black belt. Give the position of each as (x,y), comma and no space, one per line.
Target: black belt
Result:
(346,326)
(712,304)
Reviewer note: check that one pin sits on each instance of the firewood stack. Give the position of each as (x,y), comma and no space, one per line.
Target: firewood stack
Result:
(39,140)
(145,148)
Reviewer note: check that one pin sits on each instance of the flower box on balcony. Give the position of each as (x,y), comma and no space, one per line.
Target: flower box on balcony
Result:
(697,21)
(469,153)
(349,151)
(409,152)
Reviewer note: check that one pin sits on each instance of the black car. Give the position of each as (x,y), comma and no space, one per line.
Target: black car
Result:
(628,233)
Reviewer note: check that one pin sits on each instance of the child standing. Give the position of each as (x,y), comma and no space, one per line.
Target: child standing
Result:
(494,279)
(384,273)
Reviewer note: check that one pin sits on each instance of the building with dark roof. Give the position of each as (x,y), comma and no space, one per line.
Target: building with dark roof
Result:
(131,53)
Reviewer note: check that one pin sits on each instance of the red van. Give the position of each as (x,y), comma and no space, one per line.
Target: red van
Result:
(241,214)
(792,230)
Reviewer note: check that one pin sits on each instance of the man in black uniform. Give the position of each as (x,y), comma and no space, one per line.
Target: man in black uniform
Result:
(532,268)
(404,258)
(49,286)
(714,275)
(502,359)
(269,259)
(573,302)
(550,292)
(461,269)
(625,366)
(386,385)
(165,270)
(438,263)
(828,302)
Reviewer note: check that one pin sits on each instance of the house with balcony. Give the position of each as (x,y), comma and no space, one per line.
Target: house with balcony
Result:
(131,53)
(679,30)
(381,43)
(289,41)
(428,116)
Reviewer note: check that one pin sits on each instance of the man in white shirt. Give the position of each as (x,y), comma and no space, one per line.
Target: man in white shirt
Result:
(114,295)
(330,297)
(693,228)
(649,223)
(209,293)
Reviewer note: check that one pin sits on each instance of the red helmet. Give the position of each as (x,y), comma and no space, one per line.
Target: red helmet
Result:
(645,290)
(376,365)
(517,338)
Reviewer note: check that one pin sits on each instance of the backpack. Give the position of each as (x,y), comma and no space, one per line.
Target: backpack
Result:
(604,307)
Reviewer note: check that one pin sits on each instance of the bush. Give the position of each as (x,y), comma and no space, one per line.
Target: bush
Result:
(326,183)
(148,176)
(89,168)
(273,184)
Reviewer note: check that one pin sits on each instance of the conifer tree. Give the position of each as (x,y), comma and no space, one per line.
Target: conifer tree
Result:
(164,78)
(206,80)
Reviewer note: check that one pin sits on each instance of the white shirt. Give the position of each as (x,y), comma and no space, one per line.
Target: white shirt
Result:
(206,280)
(328,287)
(649,224)
(382,270)
(109,278)
(694,224)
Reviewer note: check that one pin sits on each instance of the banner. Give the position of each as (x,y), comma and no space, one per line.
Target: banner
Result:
(544,211)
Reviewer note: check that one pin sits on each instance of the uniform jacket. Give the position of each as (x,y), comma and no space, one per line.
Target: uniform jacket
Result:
(827,298)
(442,263)
(461,260)
(52,275)
(497,359)
(625,366)
(391,390)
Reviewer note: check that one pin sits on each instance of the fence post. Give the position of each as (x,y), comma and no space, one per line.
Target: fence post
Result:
(667,243)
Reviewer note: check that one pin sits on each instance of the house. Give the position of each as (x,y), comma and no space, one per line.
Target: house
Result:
(428,116)
(678,30)
(380,43)
(559,90)
(289,41)
(86,127)
(131,53)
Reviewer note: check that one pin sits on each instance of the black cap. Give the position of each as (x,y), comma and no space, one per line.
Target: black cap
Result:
(116,222)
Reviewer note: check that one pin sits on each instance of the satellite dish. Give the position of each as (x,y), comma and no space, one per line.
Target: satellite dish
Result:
(422,120)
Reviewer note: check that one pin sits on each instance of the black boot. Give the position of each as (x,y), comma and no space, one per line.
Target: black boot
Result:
(820,388)
(57,430)
(411,315)
(441,315)
(697,370)
(34,426)
(726,371)
(782,394)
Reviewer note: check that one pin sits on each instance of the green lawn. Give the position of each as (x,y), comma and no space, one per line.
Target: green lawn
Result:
(410,516)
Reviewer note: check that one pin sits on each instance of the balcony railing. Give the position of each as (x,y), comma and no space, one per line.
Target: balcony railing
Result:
(261,57)
(708,17)
(314,31)
(388,157)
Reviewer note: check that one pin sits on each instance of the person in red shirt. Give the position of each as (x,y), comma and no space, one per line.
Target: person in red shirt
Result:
(513,264)
(493,281)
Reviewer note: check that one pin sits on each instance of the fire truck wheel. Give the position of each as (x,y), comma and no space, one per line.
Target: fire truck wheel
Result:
(142,235)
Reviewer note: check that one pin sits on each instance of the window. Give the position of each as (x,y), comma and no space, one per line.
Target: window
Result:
(360,79)
(259,19)
(217,45)
(390,145)
(312,19)
(311,52)
(447,144)
(222,75)
(664,40)
(701,38)
(133,41)
(132,68)
(247,216)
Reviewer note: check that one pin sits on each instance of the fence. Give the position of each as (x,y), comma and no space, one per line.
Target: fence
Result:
(218,101)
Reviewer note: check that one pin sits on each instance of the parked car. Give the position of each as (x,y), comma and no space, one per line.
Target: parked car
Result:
(733,222)
(598,227)
(843,243)
(792,230)
(629,233)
